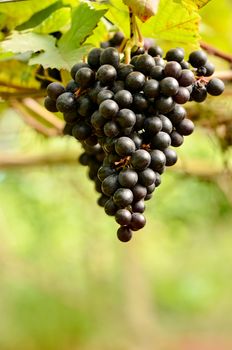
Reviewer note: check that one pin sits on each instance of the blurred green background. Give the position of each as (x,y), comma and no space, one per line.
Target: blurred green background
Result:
(67,283)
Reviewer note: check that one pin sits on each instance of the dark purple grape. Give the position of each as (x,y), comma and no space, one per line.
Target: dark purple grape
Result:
(199,93)
(140,103)
(176,139)
(172,69)
(110,185)
(111,129)
(140,159)
(108,109)
(177,114)
(144,63)
(198,58)
(110,207)
(54,90)
(128,178)
(104,95)
(171,156)
(151,88)
(124,146)
(123,70)
(66,102)
(94,58)
(161,141)
(123,197)
(76,68)
(146,177)
(110,56)
(164,104)
(81,131)
(152,125)
(158,160)
(166,124)
(126,118)
(138,221)
(123,217)
(176,54)
(135,81)
(50,104)
(155,51)
(182,96)
(215,87)
(85,77)
(124,234)
(138,207)
(104,171)
(106,74)
(139,192)
(186,78)
(185,127)
(123,98)
(169,86)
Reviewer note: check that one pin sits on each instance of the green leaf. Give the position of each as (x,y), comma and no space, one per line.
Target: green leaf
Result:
(24,42)
(18,13)
(69,50)
(174,23)
(55,22)
(40,16)
(84,20)
(55,58)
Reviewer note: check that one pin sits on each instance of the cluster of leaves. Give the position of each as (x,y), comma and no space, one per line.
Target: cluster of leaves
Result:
(27,30)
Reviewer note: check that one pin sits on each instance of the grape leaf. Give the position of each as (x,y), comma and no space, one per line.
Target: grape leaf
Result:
(69,50)
(174,23)
(144,9)
(193,4)
(40,16)
(84,20)
(18,13)
(55,22)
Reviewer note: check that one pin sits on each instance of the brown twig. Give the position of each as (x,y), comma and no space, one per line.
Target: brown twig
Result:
(32,122)
(34,106)
(216,52)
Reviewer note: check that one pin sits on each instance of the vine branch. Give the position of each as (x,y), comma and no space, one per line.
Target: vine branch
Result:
(216,52)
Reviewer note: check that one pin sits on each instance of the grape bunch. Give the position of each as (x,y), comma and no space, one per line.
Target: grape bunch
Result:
(127,117)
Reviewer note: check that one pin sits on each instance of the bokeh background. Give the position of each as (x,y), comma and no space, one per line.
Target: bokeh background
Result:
(67,283)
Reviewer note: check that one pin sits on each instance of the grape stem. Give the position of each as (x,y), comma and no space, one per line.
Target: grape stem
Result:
(136,38)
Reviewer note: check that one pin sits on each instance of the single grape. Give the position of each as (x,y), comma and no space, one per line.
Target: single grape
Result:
(140,118)
(102,200)
(104,171)
(108,109)
(110,185)
(123,70)
(110,56)
(118,85)
(72,86)
(123,217)
(215,87)
(128,178)
(158,160)
(139,192)
(161,141)
(81,131)
(138,207)
(111,129)
(106,74)
(54,90)
(169,86)
(70,116)
(117,39)
(138,221)
(85,106)
(151,188)
(66,102)
(155,51)
(104,95)
(157,73)
(151,88)
(198,58)
(97,120)
(135,81)
(146,177)
(124,234)
(126,118)
(171,156)
(186,78)
(123,98)
(123,197)
(176,139)
(166,124)
(140,103)
(140,159)
(172,69)
(152,125)
(164,104)
(144,63)
(76,68)
(85,77)
(94,58)
(177,114)
(84,159)
(182,96)
(124,146)
(199,93)
(185,127)
(50,104)
(176,54)
(110,207)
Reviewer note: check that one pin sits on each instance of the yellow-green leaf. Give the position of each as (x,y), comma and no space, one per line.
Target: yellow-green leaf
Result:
(55,22)
(174,23)
(193,4)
